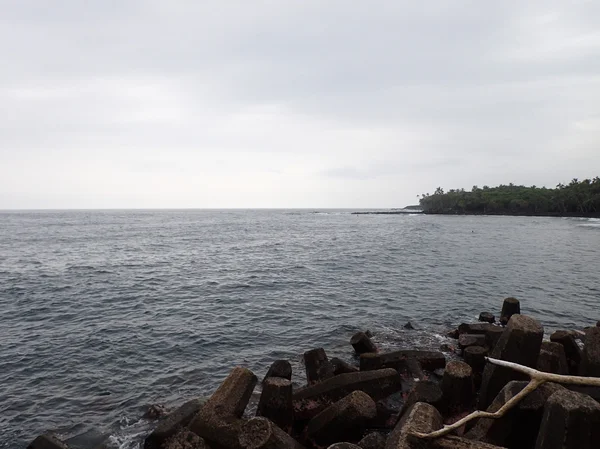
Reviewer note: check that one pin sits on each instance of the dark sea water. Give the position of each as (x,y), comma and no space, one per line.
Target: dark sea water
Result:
(105,312)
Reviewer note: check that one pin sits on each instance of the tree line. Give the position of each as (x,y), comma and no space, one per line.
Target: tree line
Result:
(578,198)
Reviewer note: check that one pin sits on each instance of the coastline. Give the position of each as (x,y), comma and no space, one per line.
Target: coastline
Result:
(480,214)
(374,400)
(516,214)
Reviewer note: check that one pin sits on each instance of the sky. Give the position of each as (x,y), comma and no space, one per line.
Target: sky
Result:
(292,103)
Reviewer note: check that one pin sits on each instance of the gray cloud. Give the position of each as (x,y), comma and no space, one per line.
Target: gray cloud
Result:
(292,104)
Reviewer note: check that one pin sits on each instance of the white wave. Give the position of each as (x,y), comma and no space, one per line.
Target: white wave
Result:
(130,435)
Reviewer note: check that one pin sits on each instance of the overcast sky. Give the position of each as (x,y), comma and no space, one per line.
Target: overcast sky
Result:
(292,103)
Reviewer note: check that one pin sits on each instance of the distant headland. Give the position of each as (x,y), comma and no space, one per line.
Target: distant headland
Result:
(576,199)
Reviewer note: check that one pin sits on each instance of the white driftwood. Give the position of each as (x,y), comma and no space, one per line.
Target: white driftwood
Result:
(537,379)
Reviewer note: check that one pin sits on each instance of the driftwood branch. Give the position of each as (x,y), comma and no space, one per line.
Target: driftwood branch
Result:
(537,379)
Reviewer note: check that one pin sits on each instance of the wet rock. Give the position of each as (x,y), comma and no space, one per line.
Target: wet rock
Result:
(510,307)
(173,422)
(342,367)
(466,340)
(343,446)
(487,317)
(598,324)
(590,363)
(445,347)
(421,417)
(47,441)
(426,391)
(520,343)
(429,360)
(457,386)
(155,411)
(570,421)
(491,332)
(572,350)
(519,427)
(218,422)
(453,334)
(409,326)
(260,433)
(184,439)
(415,370)
(373,440)
(346,419)
(276,402)
(280,368)
(318,367)
(362,344)
(311,400)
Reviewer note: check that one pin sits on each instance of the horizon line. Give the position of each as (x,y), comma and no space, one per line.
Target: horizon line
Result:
(193,208)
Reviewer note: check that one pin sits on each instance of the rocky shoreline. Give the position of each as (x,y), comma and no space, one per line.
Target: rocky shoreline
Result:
(389,400)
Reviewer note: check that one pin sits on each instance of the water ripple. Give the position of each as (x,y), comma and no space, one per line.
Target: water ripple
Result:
(103,313)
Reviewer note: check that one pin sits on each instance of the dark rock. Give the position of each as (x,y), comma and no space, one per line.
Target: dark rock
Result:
(590,362)
(280,368)
(155,411)
(487,317)
(449,442)
(184,439)
(421,417)
(318,367)
(426,391)
(374,440)
(174,421)
(598,324)
(414,369)
(549,362)
(475,357)
(445,347)
(457,386)
(572,350)
(218,422)
(510,307)
(519,427)
(559,351)
(362,344)
(346,419)
(466,340)
(378,384)
(387,416)
(260,433)
(429,360)
(570,421)
(520,343)
(369,333)
(47,441)
(453,334)
(276,402)
(409,326)
(343,446)
(491,332)
(341,367)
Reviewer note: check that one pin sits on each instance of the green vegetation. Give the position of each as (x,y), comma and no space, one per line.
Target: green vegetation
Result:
(578,198)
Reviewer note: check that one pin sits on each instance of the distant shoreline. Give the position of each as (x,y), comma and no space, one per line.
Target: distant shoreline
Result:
(389,212)
(518,214)
(498,214)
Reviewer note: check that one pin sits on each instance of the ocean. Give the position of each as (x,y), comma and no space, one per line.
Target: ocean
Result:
(105,312)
